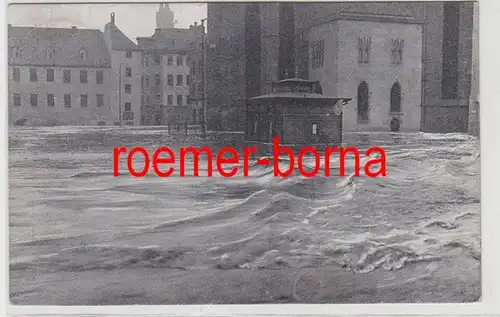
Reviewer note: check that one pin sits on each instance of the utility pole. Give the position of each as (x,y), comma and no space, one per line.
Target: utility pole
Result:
(203,107)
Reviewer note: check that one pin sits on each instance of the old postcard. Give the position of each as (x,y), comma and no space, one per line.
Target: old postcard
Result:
(244,153)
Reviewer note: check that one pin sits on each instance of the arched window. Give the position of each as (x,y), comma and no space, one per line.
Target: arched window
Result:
(396,97)
(363,102)
(83,54)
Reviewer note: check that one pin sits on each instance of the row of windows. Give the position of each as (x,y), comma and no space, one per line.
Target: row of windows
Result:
(50,75)
(51,100)
(364,50)
(170,99)
(170,80)
(156,60)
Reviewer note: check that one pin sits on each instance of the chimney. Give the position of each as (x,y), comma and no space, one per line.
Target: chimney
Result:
(112,18)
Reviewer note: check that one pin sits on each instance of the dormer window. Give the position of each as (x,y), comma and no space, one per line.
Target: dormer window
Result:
(83,54)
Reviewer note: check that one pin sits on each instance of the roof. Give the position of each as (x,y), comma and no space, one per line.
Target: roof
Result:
(119,41)
(296,80)
(58,47)
(298,95)
(171,40)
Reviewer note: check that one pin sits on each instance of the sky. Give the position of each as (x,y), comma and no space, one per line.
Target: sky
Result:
(134,20)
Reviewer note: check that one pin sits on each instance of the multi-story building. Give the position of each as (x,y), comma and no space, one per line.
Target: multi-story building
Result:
(259,43)
(126,65)
(171,69)
(59,77)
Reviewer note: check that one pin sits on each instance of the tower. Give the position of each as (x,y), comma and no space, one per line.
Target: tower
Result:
(164,17)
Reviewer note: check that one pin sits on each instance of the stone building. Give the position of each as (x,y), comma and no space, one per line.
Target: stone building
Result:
(126,67)
(59,76)
(171,68)
(259,43)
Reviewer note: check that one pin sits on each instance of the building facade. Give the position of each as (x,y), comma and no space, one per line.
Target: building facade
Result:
(126,68)
(274,41)
(59,77)
(171,84)
(377,63)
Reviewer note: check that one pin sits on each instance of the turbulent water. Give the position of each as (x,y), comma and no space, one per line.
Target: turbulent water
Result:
(78,235)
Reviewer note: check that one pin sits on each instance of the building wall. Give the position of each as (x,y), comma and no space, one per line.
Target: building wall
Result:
(119,60)
(226,66)
(175,90)
(341,73)
(60,114)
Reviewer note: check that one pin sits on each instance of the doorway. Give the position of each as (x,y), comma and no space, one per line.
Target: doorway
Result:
(363,103)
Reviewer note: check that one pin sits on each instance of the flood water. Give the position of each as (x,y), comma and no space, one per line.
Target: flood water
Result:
(79,236)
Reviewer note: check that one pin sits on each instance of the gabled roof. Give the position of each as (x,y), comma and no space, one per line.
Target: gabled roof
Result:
(119,41)
(57,47)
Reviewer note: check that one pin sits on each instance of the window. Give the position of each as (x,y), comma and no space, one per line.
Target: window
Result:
(179,80)
(83,76)
(99,77)
(15,51)
(146,60)
(314,129)
(158,97)
(318,50)
(34,100)
(363,103)
(179,100)
(16,75)
(128,54)
(193,69)
(396,98)
(128,88)
(397,51)
(51,102)
(170,99)
(200,67)
(128,72)
(101,123)
(170,60)
(170,79)
(173,43)
(147,81)
(364,47)
(157,80)
(179,60)
(188,99)
(50,74)
(99,100)
(17,100)
(67,100)
(33,75)
(157,59)
(188,80)
(128,106)
(83,101)
(83,54)
(67,75)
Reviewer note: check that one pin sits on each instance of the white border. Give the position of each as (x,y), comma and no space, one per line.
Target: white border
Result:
(490,215)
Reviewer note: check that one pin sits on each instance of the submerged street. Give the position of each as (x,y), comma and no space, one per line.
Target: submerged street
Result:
(79,236)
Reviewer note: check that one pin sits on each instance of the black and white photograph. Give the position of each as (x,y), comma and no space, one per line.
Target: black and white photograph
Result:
(243,153)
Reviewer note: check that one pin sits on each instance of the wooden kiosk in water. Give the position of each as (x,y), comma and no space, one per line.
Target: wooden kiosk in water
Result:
(298,113)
